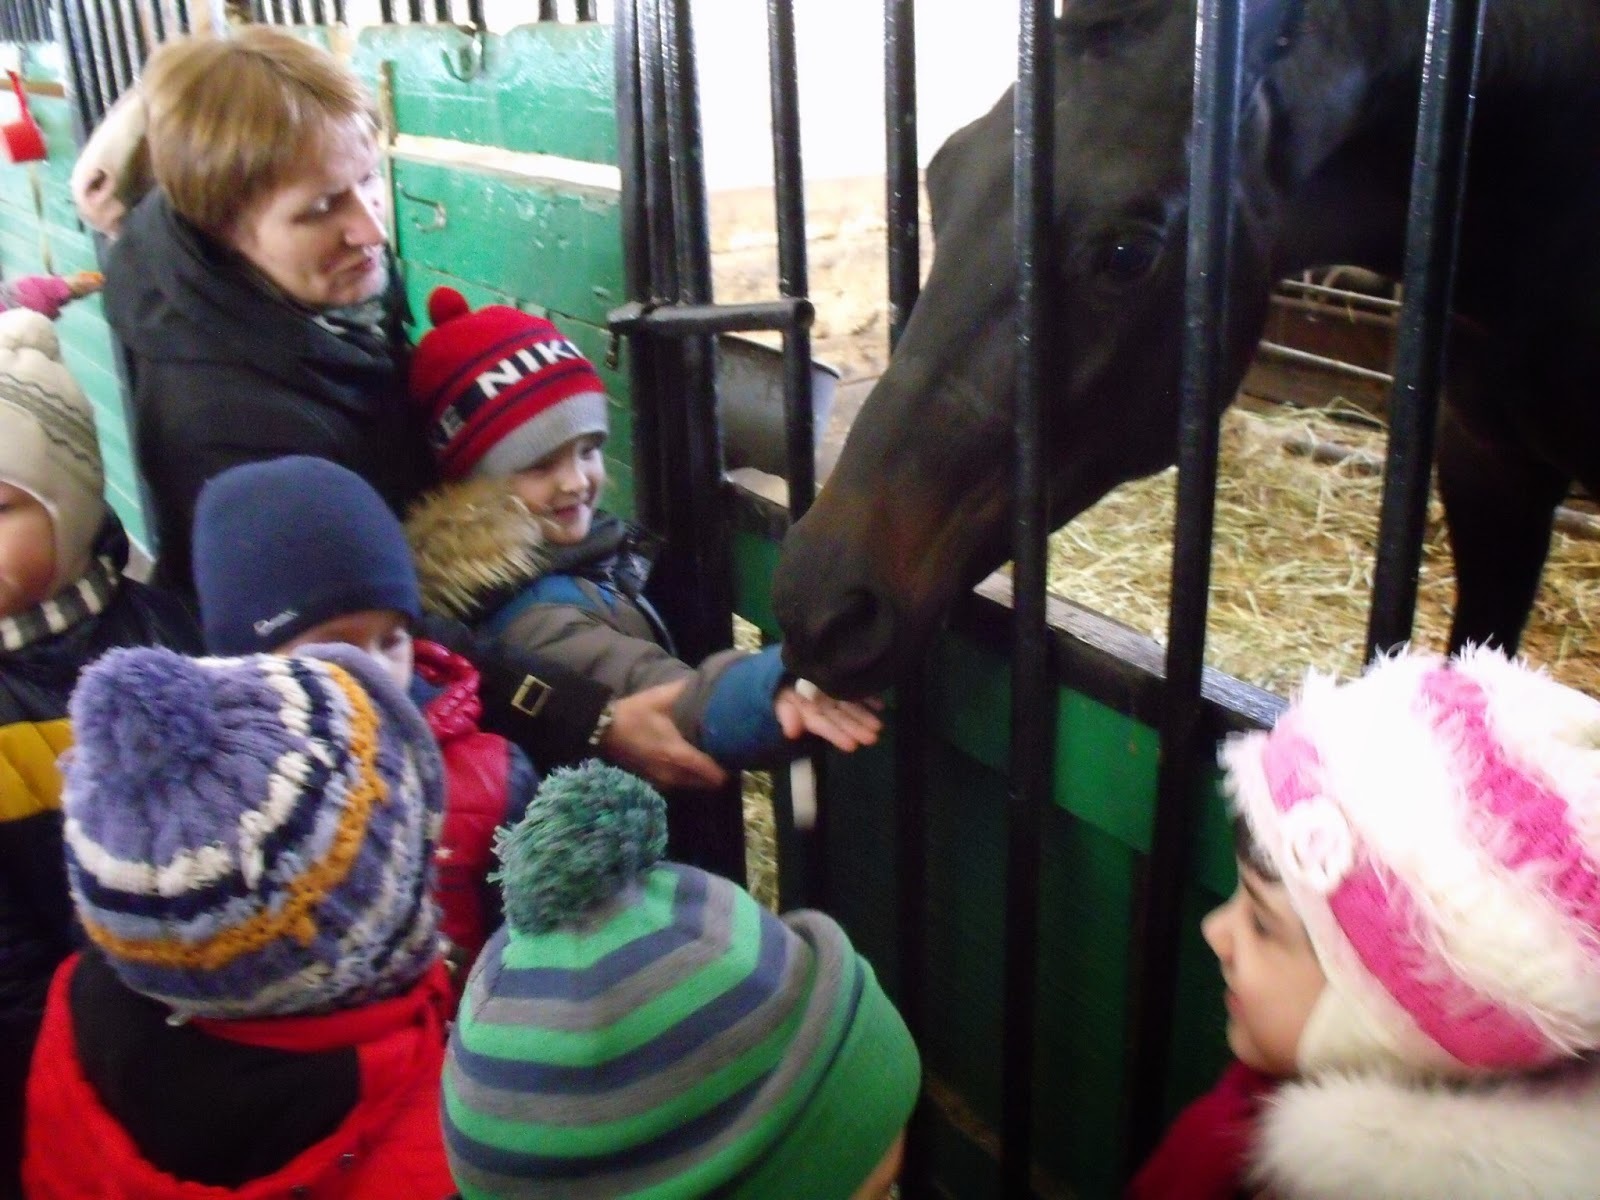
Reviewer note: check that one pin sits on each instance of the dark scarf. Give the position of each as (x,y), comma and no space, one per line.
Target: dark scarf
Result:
(87,597)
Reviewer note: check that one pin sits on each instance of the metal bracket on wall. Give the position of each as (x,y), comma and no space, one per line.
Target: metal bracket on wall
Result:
(441,215)
(466,62)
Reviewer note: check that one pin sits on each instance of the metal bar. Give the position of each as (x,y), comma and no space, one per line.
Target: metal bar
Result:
(141,37)
(1031,711)
(901,237)
(118,45)
(104,53)
(1433,234)
(386,12)
(1359,299)
(588,10)
(694,320)
(414,11)
(158,20)
(547,11)
(696,571)
(475,14)
(793,277)
(442,13)
(664,395)
(705,621)
(297,12)
(1219,54)
(904,192)
(631,159)
(319,12)
(1290,354)
(88,94)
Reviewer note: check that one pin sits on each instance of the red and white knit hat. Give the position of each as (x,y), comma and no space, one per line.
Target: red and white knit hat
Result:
(500,388)
(1437,826)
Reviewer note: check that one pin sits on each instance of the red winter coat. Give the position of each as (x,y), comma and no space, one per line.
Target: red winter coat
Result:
(1205,1152)
(389,1147)
(489,783)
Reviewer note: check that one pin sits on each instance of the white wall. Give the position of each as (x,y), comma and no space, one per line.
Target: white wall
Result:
(964,63)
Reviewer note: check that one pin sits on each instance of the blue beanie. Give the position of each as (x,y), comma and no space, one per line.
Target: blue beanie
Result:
(251,837)
(284,545)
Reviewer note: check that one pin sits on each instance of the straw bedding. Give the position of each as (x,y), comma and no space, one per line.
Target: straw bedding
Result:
(1293,554)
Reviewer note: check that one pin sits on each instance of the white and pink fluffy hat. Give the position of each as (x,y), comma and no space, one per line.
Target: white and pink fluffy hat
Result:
(1436,824)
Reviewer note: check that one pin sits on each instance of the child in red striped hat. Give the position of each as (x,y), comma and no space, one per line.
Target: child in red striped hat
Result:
(514,542)
(1412,957)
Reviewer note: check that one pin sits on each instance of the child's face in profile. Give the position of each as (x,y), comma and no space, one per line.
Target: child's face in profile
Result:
(1270,968)
(379,632)
(27,551)
(563,488)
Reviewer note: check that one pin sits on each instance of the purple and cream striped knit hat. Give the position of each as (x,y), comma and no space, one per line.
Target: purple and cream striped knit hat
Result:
(1436,824)
(640,1028)
(250,837)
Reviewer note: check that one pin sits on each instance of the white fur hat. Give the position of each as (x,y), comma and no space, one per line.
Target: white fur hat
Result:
(1436,824)
(48,446)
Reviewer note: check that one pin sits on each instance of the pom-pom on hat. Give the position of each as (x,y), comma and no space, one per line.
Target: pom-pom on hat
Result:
(48,444)
(284,545)
(500,388)
(1436,824)
(644,1028)
(249,837)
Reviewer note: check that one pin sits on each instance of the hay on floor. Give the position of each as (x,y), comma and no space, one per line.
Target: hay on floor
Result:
(1293,558)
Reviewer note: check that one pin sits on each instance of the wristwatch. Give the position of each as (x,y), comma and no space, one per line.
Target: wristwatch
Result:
(602,723)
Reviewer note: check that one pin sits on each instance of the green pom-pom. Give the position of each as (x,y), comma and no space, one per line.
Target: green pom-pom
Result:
(590,831)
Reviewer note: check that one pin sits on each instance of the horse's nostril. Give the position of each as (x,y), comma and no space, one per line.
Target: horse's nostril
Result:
(855,636)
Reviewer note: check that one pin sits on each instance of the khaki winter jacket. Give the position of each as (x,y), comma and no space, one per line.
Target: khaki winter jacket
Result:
(482,559)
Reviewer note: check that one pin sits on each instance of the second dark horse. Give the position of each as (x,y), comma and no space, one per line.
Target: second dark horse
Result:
(917,508)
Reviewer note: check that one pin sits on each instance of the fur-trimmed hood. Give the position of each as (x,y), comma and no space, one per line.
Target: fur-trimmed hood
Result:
(475,545)
(1368,1136)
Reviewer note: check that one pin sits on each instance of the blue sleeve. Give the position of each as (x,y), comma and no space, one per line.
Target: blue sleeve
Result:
(739,728)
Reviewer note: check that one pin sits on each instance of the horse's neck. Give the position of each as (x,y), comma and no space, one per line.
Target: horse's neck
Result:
(1347,91)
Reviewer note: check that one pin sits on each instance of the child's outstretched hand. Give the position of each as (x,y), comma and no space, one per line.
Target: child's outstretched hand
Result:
(843,724)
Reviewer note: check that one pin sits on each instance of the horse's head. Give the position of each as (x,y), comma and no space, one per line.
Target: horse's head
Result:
(918,507)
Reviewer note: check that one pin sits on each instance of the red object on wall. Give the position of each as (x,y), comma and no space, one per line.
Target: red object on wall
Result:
(23,137)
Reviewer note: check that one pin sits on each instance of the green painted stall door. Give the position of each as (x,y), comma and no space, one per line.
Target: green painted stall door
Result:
(40,234)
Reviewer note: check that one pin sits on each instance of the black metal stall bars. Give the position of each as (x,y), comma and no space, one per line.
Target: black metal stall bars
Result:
(1219,33)
(671,320)
(902,210)
(1032,693)
(25,21)
(1438,178)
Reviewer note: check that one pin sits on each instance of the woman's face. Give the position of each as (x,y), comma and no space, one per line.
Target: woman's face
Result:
(320,236)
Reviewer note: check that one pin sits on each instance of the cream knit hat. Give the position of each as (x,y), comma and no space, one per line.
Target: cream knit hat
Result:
(48,446)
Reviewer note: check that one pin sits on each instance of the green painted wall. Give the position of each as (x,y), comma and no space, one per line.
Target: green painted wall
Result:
(541,89)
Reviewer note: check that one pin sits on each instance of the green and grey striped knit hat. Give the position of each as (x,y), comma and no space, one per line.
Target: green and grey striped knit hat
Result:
(644,1029)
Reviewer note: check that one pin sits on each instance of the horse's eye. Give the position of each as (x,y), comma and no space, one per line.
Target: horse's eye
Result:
(1126,257)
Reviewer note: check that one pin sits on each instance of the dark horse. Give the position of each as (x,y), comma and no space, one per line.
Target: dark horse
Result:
(917,508)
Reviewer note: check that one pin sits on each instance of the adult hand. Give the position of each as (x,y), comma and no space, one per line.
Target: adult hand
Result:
(643,738)
(843,724)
